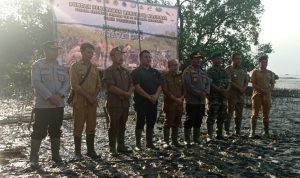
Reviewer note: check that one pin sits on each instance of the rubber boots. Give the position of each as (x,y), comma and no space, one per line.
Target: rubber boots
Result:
(34,152)
(187,136)
(167,138)
(77,142)
(266,129)
(253,127)
(55,145)
(210,129)
(90,146)
(219,130)
(138,137)
(196,135)
(238,125)
(175,137)
(227,128)
(112,137)
(149,141)
(121,143)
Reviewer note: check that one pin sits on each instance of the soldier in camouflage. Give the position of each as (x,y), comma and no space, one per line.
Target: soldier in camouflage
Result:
(217,99)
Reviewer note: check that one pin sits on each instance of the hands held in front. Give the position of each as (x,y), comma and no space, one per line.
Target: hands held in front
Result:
(55,100)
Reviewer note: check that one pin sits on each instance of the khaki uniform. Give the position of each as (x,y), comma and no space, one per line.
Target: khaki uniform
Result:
(172,86)
(117,106)
(235,98)
(83,112)
(265,80)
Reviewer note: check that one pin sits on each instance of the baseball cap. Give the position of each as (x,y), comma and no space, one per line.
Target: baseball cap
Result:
(195,54)
(117,49)
(51,45)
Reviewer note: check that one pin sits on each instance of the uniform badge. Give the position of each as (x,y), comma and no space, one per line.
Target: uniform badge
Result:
(61,77)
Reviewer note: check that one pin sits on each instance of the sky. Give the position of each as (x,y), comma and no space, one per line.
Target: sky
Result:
(280,26)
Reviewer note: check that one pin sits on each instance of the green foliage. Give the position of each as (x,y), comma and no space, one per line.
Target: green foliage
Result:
(21,34)
(205,25)
(224,25)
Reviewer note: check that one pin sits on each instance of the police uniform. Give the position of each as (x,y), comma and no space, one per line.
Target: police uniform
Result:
(265,80)
(235,98)
(216,102)
(195,80)
(48,79)
(117,107)
(172,87)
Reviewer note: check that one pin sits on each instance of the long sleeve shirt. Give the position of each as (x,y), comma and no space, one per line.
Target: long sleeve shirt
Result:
(48,78)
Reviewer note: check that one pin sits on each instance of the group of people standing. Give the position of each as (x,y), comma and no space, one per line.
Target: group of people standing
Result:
(224,89)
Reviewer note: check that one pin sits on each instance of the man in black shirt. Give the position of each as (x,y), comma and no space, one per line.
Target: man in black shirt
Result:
(147,84)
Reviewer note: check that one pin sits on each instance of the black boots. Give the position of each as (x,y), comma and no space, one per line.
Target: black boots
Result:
(55,145)
(138,137)
(90,146)
(266,129)
(34,152)
(238,125)
(166,138)
(196,135)
(149,137)
(77,142)
(187,136)
(175,138)
(219,130)
(253,127)
(121,148)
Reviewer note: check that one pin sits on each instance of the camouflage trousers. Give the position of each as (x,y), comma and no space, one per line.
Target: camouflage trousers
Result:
(217,112)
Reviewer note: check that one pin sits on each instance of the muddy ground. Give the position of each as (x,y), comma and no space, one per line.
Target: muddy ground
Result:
(278,156)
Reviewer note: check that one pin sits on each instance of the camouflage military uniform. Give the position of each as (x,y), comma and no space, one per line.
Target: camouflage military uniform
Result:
(217,103)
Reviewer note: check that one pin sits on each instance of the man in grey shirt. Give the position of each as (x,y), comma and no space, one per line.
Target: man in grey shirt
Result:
(197,87)
(51,83)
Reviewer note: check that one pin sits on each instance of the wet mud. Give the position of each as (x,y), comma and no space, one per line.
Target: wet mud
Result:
(277,156)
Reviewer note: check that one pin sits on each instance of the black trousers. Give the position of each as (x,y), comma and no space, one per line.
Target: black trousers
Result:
(47,120)
(146,113)
(194,115)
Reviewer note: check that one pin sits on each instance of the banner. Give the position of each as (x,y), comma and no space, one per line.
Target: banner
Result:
(109,23)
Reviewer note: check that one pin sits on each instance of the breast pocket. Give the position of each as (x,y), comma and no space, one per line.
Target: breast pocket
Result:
(46,76)
(195,78)
(94,76)
(61,76)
